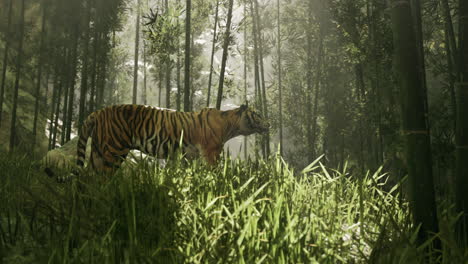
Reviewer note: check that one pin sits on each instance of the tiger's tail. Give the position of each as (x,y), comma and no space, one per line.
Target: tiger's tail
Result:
(84,133)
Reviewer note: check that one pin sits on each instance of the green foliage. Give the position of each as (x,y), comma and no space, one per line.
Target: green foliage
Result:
(239,212)
(163,32)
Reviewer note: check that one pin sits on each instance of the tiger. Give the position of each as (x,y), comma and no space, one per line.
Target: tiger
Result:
(117,129)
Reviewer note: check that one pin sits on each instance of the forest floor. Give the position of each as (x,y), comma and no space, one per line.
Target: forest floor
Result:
(239,212)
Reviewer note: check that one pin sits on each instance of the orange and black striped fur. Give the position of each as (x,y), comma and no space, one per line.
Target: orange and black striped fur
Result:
(116,130)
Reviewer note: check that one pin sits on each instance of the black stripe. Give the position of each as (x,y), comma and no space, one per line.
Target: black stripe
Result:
(184,122)
(95,148)
(174,126)
(200,120)
(149,125)
(123,125)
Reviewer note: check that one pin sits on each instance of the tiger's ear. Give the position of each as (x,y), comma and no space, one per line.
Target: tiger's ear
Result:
(242,108)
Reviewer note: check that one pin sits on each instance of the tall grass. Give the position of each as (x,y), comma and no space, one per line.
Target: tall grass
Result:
(239,212)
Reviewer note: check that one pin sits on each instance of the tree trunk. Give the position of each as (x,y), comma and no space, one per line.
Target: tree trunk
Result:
(213,45)
(266,137)
(280,87)
(39,75)
(192,90)
(258,97)
(450,49)
(179,88)
(52,105)
(160,86)
(376,132)
(137,43)
(461,136)
(316,95)
(245,71)
(144,95)
(414,125)
(47,75)
(227,38)
(92,97)
(71,94)
(102,82)
(57,112)
(17,80)
(5,59)
(84,68)
(416,13)
(308,96)
(310,86)
(452,44)
(168,85)
(187,56)
(168,64)
(65,85)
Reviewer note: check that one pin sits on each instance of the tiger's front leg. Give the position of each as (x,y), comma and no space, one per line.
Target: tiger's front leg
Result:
(212,155)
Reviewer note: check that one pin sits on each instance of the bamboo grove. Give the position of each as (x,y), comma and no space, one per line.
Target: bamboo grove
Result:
(367,83)
(59,53)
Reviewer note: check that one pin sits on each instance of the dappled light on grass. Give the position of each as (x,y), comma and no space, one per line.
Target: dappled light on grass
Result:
(238,212)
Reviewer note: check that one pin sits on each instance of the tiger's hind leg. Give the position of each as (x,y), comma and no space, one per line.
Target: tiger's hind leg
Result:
(108,162)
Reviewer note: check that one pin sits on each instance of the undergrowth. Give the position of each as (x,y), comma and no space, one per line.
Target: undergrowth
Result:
(240,212)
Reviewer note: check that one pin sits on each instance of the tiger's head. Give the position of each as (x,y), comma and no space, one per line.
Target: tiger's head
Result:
(251,122)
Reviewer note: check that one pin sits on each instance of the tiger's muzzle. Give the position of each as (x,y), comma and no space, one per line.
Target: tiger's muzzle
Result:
(263,127)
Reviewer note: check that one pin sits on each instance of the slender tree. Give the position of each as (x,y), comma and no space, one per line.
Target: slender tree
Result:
(53,103)
(46,84)
(213,49)
(144,95)
(66,88)
(94,65)
(161,78)
(309,84)
(461,136)
(451,42)
(178,66)
(258,97)
(168,63)
(137,43)
(245,72)
(262,93)
(309,90)
(375,101)
(179,88)
(187,106)
(414,125)
(5,58)
(416,14)
(316,96)
(102,80)
(57,107)
(71,94)
(227,38)
(451,51)
(17,79)
(84,68)
(280,87)
(39,73)
(168,85)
